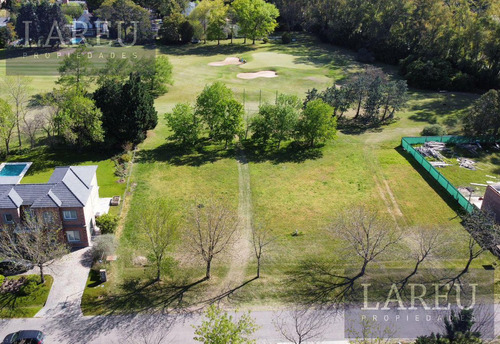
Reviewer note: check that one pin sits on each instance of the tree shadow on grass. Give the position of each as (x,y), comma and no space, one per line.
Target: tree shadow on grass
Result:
(204,153)
(349,126)
(178,155)
(291,152)
(450,201)
(205,49)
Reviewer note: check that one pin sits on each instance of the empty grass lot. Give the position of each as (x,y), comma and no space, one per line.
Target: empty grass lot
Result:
(289,192)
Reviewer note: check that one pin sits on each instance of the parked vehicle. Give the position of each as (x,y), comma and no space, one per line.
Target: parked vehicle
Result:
(25,337)
(10,267)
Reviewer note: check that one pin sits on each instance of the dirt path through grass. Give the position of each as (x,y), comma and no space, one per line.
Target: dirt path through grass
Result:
(242,249)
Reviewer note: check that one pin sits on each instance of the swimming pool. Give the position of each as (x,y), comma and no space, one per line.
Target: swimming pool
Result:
(12,170)
(76,40)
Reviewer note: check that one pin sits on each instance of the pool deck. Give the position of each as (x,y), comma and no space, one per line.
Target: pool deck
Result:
(14,179)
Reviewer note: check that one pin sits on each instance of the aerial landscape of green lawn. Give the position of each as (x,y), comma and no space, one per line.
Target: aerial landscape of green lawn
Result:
(291,193)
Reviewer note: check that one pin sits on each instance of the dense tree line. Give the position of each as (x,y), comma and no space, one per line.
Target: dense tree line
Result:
(128,21)
(439,44)
(217,20)
(483,118)
(43,23)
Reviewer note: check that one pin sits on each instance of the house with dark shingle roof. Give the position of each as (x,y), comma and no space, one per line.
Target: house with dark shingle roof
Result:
(71,194)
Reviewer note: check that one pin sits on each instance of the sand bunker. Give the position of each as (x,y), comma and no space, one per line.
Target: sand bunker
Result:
(227,61)
(262,74)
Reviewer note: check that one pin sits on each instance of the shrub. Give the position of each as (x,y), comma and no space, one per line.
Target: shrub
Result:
(286,38)
(265,40)
(125,157)
(186,31)
(30,286)
(107,223)
(104,245)
(434,130)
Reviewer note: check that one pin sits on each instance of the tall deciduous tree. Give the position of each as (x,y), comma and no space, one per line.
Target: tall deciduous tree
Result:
(156,74)
(212,230)
(256,18)
(217,23)
(185,124)
(129,21)
(262,237)
(7,123)
(75,70)
(158,225)
(484,116)
(18,89)
(39,244)
(317,123)
(81,121)
(222,114)
(277,122)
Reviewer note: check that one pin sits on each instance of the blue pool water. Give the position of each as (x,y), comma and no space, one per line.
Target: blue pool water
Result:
(76,40)
(12,170)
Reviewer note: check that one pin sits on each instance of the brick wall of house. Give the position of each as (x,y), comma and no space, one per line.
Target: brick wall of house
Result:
(76,225)
(13,212)
(491,202)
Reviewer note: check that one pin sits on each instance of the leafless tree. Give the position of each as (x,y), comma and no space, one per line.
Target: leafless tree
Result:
(262,237)
(364,234)
(37,239)
(159,224)
(32,126)
(212,230)
(17,88)
(368,331)
(427,241)
(301,325)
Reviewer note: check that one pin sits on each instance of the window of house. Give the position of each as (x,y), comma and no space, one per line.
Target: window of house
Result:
(48,217)
(69,214)
(73,236)
(8,218)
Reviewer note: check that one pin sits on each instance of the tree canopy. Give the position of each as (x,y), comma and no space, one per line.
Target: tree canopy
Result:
(317,123)
(483,118)
(219,327)
(256,18)
(438,44)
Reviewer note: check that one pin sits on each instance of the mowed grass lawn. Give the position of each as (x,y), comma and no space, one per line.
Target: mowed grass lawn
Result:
(25,304)
(288,195)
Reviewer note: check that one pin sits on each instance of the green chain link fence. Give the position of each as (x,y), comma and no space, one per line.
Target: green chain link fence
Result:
(407,144)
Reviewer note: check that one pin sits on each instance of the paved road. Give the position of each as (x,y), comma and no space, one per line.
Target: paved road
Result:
(71,328)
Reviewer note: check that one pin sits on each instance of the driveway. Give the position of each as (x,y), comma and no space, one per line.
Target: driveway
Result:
(70,276)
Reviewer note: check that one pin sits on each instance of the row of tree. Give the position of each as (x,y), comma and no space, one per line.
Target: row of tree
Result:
(218,114)
(218,19)
(287,119)
(439,44)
